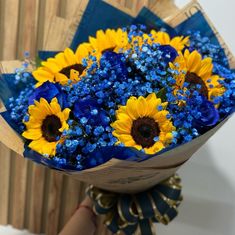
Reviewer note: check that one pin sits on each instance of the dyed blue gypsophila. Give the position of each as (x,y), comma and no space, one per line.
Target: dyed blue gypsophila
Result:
(22,74)
(138,71)
(80,142)
(207,49)
(108,85)
(227,100)
(17,105)
(18,108)
(141,75)
(135,72)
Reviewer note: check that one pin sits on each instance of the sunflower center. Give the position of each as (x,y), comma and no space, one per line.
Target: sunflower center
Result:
(144,130)
(194,80)
(108,50)
(50,128)
(78,67)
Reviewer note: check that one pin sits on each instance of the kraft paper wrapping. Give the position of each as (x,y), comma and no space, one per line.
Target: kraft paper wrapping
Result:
(118,175)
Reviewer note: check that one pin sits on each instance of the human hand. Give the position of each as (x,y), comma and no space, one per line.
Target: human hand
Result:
(83,220)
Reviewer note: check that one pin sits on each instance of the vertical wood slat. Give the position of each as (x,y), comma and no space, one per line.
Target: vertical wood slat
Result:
(71,194)
(55,193)
(18,191)
(26,34)
(36,202)
(16,188)
(28,12)
(5,162)
(49,9)
(8,34)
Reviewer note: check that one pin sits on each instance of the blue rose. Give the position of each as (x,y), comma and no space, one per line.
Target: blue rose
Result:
(169,53)
(88,108)
(205,114)
(116,62)
(48,91)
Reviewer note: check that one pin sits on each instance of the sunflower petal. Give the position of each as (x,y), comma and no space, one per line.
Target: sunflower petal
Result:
(43,75)
(194,62)
(61,78)
(142,107)
(70,57)
(131,108)
(55,107)
(32,134)
(66,113)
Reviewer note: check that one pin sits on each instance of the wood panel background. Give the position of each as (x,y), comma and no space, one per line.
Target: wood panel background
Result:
(32,196)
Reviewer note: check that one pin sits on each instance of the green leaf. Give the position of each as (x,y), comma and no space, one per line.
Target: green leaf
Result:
(162,95)
(38,61)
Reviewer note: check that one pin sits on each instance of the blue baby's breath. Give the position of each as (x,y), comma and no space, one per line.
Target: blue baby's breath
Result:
(111,80)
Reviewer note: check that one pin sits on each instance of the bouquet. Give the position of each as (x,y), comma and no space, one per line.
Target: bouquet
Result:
(122,108)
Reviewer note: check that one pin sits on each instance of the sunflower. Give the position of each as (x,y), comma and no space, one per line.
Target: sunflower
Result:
(63,67)
(197,71)
(163,38)
(46,123)
(144,124)
(110,40)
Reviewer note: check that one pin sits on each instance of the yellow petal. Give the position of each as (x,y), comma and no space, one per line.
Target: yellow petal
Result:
(124,118)
(153,102)
(131,108)
(206,69)
(61,60)
(158,146)
(32,134)
(55,107)
(45,107)
(36,112)
(65,126)
(74,75)
(66,113)
(51,65)
(36,145)
(49,148)
(142,107)
(160,116)
(34,123)
(121,127)
(43,75)
(61,78)
(93,42)
(127,140)
(194,62)
(69,57)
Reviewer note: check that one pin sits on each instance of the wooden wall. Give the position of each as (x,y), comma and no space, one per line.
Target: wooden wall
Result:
(32,196)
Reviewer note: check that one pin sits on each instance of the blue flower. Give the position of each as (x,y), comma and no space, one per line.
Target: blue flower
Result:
(205,114)
(168,53)
(90,110)
(48,91)
(115,62)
